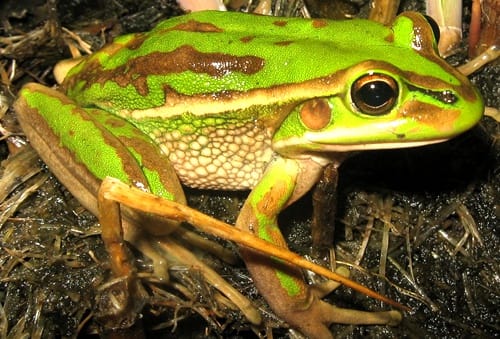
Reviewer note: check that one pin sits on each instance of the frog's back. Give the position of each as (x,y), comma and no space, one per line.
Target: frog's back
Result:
(216,52)
(201,63)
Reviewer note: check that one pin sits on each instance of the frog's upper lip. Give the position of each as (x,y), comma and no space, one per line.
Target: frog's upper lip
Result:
(376,146)
(325,147)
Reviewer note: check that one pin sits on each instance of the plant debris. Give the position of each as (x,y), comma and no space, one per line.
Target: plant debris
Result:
(419,225)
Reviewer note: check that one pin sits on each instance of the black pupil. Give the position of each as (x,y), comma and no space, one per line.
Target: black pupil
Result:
(376,93)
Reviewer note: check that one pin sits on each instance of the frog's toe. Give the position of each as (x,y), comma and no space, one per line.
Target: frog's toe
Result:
(355,317)
(395,318)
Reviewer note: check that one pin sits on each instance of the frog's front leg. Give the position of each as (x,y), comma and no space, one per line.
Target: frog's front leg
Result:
(282,285)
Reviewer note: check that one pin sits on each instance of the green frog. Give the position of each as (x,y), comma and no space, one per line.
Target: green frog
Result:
(232,101)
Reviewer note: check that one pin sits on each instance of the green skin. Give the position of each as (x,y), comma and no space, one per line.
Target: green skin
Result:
(236,101)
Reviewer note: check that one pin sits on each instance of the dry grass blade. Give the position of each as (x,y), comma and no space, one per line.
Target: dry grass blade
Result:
(17,169)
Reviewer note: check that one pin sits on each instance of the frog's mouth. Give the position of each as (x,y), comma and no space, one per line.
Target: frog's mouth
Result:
(375,146)
(298,147)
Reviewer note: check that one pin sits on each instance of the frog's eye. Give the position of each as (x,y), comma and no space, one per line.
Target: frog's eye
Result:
(374,94)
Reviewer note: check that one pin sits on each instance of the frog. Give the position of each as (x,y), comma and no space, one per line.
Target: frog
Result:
(234,101)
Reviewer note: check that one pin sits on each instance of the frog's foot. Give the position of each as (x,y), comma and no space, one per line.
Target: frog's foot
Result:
(332,314)
(299,305)
(315,320)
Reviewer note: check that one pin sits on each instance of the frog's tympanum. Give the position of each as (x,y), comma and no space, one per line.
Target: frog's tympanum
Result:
(232,101)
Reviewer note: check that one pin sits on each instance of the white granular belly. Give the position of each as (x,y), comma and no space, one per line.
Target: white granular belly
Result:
(229,158)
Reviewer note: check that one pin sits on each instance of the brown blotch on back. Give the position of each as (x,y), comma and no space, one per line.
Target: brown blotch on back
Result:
(247,38)
(280,23)
(318,23)
(182,59)
(186,58)
(196,26)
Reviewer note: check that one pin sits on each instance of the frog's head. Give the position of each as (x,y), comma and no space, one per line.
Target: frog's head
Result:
(407,97)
